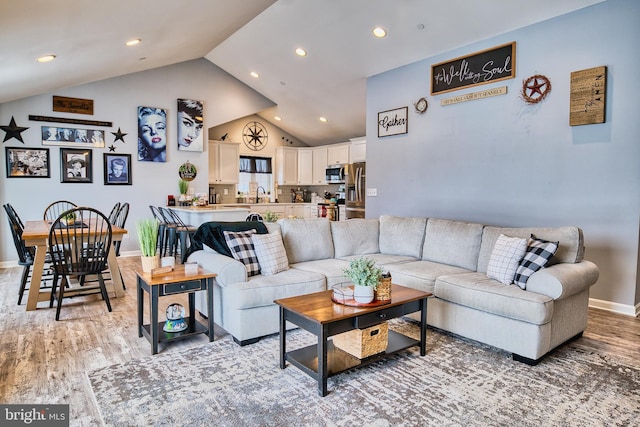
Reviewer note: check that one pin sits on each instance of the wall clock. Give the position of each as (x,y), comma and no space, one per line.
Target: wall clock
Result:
(421,105)
(255,136)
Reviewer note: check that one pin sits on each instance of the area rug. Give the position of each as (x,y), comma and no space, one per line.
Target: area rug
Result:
(458,383)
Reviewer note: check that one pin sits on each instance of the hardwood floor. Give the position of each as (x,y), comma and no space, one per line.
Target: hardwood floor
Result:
(44,362)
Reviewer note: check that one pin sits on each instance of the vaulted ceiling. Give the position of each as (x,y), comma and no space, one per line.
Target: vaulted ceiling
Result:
(241,36)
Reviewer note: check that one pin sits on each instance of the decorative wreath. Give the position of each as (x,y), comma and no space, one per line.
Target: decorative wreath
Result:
(535,89)
(187,171)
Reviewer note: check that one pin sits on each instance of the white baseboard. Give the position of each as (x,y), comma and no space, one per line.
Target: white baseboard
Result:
(615,307)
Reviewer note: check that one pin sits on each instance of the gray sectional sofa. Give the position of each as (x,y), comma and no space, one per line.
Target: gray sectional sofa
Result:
(447,258)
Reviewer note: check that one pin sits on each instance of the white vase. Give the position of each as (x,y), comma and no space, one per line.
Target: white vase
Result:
(363,294)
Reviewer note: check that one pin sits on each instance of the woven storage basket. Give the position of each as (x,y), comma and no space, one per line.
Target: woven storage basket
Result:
(363,343)
(383,290)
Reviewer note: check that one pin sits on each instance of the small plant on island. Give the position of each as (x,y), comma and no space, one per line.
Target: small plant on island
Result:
(363,272)
(270,216)
(183,186)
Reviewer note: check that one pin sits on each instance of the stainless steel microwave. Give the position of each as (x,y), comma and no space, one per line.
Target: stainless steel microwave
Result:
(335,174)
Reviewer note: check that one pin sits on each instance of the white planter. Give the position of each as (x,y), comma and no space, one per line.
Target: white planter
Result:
(363,294)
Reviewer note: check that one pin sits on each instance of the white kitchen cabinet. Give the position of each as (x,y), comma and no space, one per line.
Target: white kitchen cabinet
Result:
(338,154)
(224,162)
(358,150)
(287,165)
(305,166)
(319,166)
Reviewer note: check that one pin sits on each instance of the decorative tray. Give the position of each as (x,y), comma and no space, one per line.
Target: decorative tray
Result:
(344,296)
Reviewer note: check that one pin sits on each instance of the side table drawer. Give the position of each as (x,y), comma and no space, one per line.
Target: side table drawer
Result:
(371,319)
(176,288)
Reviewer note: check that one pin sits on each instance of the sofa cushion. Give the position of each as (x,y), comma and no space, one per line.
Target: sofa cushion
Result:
(307,239)
(505,258)
(539,252)
(262,290)
(402,236)
(355,237)
(242,249)
(570,246)
(477,291)
(330,268)
(452,242)
(270,253)
(383,260)
(421,275)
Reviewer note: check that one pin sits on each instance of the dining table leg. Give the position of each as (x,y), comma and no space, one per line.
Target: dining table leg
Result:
(36,277)
(116,278)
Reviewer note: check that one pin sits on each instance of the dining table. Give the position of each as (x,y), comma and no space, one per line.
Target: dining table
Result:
(36,234)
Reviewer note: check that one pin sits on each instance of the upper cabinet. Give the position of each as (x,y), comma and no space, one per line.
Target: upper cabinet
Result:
(305,166)
(320,166)
(337,154)
(224,162)
(287,165)
(358,150)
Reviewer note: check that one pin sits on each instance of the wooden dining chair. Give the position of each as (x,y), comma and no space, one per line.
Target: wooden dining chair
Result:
(53,211)
(26,255)
(113,216)
(79,250)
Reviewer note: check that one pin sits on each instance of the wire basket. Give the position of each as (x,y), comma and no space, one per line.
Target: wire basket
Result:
(383,290)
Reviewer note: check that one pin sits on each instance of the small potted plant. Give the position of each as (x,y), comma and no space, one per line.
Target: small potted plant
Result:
(270,216)
(365,276)
(69,219)
(147,230)
(183,186)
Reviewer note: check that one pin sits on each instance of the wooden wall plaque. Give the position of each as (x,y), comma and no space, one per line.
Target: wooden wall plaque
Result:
(587,96)
(64,104)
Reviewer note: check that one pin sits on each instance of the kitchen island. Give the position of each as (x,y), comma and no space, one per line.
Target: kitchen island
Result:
(197,215)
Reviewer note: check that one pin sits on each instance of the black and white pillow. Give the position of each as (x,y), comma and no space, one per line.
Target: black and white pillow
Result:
(505,258)
(539,252)
(242,249)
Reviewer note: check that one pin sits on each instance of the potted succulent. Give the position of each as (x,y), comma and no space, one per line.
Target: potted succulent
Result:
(147,230)
(365,276)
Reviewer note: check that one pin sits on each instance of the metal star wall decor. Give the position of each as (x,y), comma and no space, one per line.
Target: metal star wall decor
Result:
(112,147)
(13,131)
(119,135)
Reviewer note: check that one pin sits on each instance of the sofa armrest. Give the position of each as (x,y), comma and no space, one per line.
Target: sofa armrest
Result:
(229,270)
(563,280)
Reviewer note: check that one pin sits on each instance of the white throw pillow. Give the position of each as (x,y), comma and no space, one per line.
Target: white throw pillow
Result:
(271,253)
(505,258)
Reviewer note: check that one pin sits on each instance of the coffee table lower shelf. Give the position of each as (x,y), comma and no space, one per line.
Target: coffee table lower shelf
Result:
(306,358)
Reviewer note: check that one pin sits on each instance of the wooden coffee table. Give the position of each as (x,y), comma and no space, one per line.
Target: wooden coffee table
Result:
(318,314)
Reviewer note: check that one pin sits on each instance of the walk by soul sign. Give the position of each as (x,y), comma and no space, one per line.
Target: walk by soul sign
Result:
(392,122)
(488,66)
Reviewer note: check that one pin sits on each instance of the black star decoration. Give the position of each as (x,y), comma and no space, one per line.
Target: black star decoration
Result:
(119,135)
(13,131)
(112,147)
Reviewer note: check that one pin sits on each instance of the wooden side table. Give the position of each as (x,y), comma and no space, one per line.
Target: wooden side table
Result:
(172,283)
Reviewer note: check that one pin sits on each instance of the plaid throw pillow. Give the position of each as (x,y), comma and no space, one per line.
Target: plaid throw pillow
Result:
(505,258)
(271,253)
(539,252)
(242,249)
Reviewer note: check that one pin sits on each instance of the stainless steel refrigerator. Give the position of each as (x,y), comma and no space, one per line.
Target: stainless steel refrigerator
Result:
(355,190)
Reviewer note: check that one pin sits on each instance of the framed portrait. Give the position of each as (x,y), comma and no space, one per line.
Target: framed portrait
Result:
(392,122)
(152,134)
(27,162)
(72,137)
(76,165)
(117,169)
(190,123)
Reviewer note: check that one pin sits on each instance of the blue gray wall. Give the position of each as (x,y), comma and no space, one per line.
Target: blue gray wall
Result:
(501,161)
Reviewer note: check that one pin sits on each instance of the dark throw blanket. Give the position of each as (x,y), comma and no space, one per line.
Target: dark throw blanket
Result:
(212,235)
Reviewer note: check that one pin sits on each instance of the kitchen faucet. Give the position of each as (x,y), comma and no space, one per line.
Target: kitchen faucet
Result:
(258,193)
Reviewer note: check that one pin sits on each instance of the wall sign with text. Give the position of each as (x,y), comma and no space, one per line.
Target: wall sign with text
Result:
(392,122)
(487,66)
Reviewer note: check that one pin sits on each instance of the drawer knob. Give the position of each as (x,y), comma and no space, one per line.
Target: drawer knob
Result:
(382,315)
(183,287)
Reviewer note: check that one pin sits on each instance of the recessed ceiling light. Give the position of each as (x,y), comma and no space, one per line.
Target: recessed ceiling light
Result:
(301,52)
(379,32)
(133,42)
(254,74)
(278,118)
(323,119)
(46,58)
